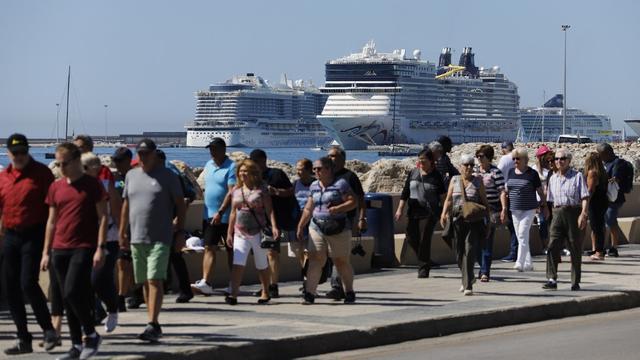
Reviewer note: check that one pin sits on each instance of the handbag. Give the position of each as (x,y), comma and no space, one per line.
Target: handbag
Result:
(330,226)
(612,191)
(266,233)
(471,211)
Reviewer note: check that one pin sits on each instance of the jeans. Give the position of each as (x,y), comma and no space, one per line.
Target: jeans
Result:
(485,252)
(522,220)
(73,269)
(103,280)
(21,269)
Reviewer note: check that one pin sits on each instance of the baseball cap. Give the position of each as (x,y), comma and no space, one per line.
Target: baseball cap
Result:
(146,145)
(17,142)
(216,141)
(195,243)
(506,144)
(543,149)
(121,153)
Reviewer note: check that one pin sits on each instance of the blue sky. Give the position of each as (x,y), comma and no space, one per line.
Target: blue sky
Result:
(145,58)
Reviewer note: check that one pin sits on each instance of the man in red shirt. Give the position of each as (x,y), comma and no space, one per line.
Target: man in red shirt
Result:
(23,188)
(76,234)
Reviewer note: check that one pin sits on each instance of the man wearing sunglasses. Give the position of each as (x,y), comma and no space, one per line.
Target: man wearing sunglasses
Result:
(23,189)
(567,190)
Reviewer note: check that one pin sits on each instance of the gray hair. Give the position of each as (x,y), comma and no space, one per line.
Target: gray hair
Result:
(436,146)
(604,148)
(90,160)
(467,159)
(521,153)
(565,152)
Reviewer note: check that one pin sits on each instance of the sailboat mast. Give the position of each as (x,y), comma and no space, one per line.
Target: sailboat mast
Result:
(66,124)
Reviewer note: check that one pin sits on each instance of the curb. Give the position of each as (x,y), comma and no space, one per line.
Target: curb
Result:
(300,346)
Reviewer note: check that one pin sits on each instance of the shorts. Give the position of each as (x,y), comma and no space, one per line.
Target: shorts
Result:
(214,234)
(611,216)
(150,261)
(338,245)
(242,246)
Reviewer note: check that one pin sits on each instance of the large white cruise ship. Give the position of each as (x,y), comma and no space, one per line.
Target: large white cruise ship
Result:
(545,123)
(247,111)
(634,124)
(386,98)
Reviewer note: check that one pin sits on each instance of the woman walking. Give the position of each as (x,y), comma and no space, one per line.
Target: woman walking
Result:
(521,189)
(597,181)
(330,230)
(469,230)
(493,182)
(423,192)
(250,208)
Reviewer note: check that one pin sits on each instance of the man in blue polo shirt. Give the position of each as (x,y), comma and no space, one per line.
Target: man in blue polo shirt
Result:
(219,179)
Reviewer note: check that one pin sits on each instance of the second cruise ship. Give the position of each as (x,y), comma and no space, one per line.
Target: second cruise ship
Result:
(387,98)
(247,111)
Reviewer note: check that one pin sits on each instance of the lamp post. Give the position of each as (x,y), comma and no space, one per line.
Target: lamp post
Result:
(106,127)
(564,87)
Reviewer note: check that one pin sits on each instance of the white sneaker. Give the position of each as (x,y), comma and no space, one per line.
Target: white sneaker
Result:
(111,323)
(566,252)
(461,288)
(528,268)
(468,292)
(202,287)
(517,267)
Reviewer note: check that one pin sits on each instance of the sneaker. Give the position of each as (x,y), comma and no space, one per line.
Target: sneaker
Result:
(152,333)
(509,258)
(423,272)
(336,294)
(21,347)
(184,298)
(550,285)
(461,288)
(528,268)
(51,340)
(613,252)
(468,292)
(575,287)
(111,323)
(308,299)
(122,307)
(518,267)
(134,302)
(73,353)
(202,287)
(273,291)
(99,315)
(91,346)
(566,252)
(350,297)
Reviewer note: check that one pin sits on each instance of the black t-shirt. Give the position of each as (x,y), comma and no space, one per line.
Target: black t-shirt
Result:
(356,186)
(422,193)
(284,208)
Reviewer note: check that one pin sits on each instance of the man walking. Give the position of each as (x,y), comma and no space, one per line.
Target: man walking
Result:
(284,205)
(23,189)
(76,234)
(152,194)
(505,164)
(219,180)
(339,158)
(570,197)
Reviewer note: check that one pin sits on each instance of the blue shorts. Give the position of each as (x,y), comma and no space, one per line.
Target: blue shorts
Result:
(611,216)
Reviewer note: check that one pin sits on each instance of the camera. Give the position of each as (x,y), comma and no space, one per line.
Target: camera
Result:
(358,250)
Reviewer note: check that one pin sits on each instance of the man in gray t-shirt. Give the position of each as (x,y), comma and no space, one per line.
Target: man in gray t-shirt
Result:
(152,195)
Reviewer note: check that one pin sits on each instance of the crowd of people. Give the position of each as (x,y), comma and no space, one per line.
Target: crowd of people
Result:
(107,238)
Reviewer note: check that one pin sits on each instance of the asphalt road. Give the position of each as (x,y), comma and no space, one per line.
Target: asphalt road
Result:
(608,336)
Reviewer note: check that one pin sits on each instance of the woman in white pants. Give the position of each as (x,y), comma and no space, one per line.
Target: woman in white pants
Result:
(250,208)
(521,189)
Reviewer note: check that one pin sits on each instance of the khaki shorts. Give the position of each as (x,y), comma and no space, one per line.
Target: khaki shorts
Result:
(338,245)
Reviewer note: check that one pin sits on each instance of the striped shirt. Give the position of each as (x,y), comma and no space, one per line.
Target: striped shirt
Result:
(568,189)
(521,189)
(493,184)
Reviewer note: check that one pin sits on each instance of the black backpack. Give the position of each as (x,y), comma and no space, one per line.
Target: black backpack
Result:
(625,173)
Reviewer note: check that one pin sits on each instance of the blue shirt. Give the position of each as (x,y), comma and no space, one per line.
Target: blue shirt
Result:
(217,180)
(330,196)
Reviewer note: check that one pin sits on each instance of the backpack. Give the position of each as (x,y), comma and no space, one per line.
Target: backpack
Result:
(625,173)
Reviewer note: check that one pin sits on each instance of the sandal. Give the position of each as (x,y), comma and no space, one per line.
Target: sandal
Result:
(597,257)
(484,278)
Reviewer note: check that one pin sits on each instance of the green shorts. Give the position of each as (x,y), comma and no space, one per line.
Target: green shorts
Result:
(150,261)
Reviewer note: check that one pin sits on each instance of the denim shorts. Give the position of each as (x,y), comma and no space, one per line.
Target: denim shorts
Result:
(611,216)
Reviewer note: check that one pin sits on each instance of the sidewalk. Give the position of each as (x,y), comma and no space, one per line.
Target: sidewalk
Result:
(392,306)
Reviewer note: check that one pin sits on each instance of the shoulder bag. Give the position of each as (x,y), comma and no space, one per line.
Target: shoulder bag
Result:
(267,240)
(471,211)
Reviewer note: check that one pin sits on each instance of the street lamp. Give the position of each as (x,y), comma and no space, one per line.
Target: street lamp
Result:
(564,88)
(106,128)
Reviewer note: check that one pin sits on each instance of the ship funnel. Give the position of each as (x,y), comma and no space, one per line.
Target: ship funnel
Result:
(467,60)
(445,57)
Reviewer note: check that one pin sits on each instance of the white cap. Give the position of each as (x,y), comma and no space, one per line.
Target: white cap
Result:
(195,243)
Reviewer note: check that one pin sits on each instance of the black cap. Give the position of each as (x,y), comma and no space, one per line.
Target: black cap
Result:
(446,143)
(258,154)
(217,141)
(146,145)
(17,142)
(122,153)
(507,144)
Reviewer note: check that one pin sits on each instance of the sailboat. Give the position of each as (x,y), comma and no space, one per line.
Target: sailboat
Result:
(66,121)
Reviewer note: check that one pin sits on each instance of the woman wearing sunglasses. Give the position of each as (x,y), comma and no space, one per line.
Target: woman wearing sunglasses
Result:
(521,189)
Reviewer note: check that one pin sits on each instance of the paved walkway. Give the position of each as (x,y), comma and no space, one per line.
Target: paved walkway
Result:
(393,305)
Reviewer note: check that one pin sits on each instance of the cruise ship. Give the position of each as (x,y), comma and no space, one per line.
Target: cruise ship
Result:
(634,124)
(545,123)
(247,111)
(390,98)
